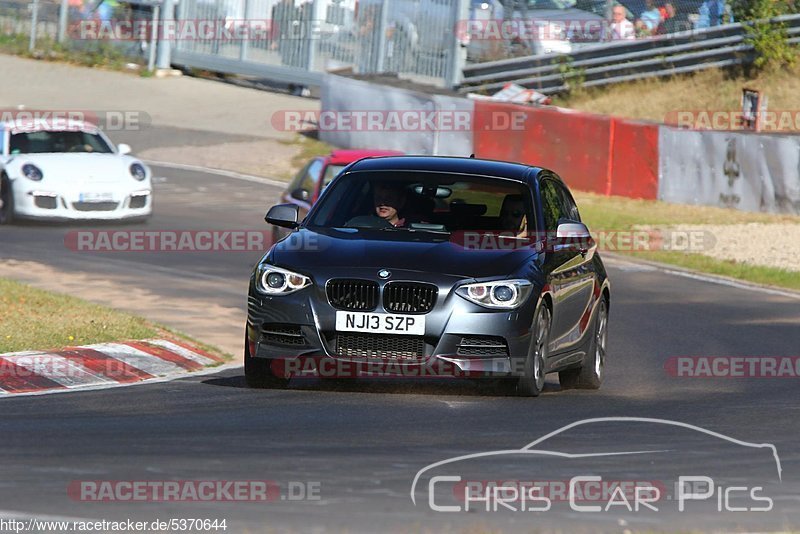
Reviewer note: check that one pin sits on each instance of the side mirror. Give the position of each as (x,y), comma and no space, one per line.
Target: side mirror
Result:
(573,235)
(300,194)
(284,215)
(124,148)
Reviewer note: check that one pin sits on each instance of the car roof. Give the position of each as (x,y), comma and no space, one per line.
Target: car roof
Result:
(346,156)
(480,167)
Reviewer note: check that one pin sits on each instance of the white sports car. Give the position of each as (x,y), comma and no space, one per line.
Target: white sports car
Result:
(69,171)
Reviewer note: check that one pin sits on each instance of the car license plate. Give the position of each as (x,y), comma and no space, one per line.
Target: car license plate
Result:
(95,197)
(380,323)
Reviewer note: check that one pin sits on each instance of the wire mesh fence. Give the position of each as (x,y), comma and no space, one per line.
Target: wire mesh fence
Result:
(426,40)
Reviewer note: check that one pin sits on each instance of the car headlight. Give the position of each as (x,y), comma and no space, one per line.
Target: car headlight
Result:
(138,171)
(32,172)
(499,294)
(276,281)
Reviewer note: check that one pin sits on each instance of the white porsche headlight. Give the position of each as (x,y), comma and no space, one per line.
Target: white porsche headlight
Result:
(32,172)
(138,171)
(498,294)
(273,280)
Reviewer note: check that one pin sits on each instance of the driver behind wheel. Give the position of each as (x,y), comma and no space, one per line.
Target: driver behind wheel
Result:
(388,201)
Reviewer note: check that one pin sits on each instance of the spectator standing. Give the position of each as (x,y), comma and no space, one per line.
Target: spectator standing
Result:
(714,13)
(650,19)
(620,27)
(671,22)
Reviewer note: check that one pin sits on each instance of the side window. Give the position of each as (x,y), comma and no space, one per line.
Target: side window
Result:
(570,208)
(298,178)
(312,176)
(552,206)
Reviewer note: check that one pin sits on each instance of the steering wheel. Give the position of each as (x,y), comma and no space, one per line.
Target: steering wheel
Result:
(81,148)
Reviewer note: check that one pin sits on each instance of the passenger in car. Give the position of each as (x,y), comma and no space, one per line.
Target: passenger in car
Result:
(512,216)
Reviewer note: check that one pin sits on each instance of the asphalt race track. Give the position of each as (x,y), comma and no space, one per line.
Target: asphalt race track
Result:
(361,444)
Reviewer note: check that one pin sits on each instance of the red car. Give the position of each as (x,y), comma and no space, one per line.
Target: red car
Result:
(306,187)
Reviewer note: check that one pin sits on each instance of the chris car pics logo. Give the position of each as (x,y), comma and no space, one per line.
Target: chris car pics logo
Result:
(682,476)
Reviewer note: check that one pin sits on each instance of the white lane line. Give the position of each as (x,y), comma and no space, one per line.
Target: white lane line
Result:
(221,172)
(180,351)
(61,370)
(143,361)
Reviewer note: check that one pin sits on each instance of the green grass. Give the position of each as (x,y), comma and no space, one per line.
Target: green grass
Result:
(307,148)
(620,213)
(756,274)
(713,89)
(608,214)
(98,54)
(33,319)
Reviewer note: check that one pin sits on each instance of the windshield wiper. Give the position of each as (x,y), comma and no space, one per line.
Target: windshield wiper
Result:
(407,229)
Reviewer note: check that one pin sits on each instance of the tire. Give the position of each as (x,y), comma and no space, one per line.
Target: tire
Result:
(590,375)
(531,383)
(258,372)
(7,198)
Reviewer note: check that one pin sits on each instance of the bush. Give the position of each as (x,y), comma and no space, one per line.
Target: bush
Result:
(768,38)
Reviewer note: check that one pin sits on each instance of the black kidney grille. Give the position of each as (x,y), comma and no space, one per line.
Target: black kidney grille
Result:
(351,294)
(409,297)
(380,346)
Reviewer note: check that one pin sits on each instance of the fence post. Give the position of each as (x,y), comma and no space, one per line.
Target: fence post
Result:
(381,36)
(245,44)
(34,24)
(164,45)
(151,60)
(457,57)
(63,16)
(310,31)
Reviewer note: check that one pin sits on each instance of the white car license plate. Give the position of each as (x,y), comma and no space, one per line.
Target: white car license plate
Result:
(380,323)
(95,197)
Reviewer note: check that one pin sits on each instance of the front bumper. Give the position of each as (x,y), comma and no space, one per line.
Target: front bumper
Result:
(461,339)
(55,206)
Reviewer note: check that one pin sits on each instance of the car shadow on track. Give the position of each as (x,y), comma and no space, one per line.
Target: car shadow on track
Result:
(431,386)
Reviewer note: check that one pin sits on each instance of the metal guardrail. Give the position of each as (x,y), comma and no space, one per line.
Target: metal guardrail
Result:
(609,63)
(231,65)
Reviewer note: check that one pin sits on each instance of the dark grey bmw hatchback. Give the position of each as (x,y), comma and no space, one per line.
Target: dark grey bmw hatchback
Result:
(415,266)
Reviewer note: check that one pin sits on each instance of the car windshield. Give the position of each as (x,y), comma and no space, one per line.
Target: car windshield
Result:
(550,4)
(424,201)
(44,141)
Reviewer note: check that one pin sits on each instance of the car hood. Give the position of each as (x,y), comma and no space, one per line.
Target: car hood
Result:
(347,248)
(76,169)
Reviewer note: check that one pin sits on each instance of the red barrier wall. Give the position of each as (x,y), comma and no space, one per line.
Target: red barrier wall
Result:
(590,152)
